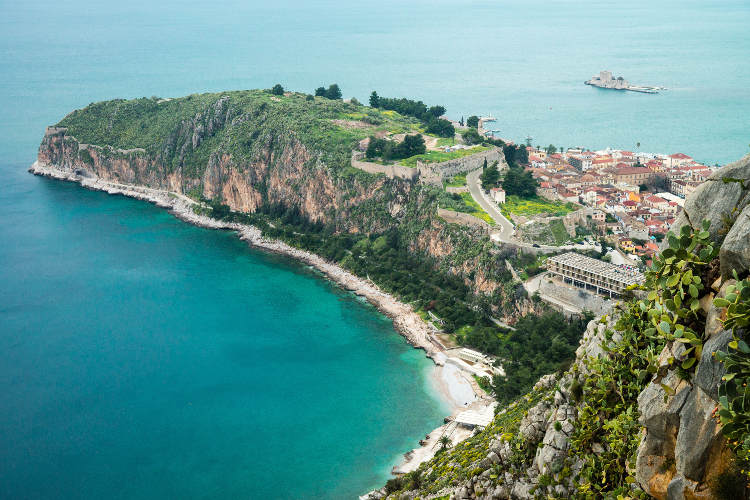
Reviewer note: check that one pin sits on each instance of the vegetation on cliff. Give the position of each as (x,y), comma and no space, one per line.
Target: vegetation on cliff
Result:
(281,162)
(236,123)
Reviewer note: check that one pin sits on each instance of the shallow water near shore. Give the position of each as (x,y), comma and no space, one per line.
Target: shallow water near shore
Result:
(149,358)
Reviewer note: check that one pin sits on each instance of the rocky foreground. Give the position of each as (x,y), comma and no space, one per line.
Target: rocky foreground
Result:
(596,430)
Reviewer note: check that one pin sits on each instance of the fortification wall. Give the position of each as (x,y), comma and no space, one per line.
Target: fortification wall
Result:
(465,164)
(463,218)
(431,173)
(390,171)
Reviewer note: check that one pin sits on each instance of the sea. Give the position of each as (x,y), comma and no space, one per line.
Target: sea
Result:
(146,358)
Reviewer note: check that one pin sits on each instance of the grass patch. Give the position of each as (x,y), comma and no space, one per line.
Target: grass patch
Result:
(446,141)
(456,181)
(557,228)
(477,211)
(536,206)
(440,156)
(545,233)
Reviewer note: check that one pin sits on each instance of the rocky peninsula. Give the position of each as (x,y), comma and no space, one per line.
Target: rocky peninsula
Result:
(630,413)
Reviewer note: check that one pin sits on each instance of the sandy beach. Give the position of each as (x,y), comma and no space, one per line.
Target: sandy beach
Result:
(455,386)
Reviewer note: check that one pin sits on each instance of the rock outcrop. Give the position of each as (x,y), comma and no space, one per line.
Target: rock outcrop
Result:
(681,451)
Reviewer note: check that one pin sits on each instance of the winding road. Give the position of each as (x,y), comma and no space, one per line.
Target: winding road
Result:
(505,230)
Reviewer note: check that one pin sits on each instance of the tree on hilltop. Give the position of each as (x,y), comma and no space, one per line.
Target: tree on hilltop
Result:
(388,150)
(436,111)
(410,146)
(320,92)
(277,89)
(374,99)
(471,136)
(440,127)
(333,92)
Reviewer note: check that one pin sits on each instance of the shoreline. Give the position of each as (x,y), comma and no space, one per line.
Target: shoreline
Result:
(454,386)
(406,322)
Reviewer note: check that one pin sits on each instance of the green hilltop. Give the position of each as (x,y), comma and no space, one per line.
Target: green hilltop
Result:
(327,126)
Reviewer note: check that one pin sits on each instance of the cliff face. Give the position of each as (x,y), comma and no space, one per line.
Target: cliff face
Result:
(249,150)
(632,417)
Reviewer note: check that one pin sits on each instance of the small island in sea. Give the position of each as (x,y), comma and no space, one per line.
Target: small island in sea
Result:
(605,80)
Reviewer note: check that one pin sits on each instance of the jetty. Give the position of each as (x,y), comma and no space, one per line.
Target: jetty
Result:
(605,80)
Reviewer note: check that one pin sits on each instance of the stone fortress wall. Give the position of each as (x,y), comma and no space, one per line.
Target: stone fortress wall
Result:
(463,219)
(430,173)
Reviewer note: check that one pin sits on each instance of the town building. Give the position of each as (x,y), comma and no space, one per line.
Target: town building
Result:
(498,195)
(595,274)
(633,175)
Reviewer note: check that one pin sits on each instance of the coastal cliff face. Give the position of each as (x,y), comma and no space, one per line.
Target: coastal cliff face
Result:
(250,150)
(633,417)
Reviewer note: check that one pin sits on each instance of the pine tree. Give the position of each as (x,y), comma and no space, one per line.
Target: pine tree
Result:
(333,92)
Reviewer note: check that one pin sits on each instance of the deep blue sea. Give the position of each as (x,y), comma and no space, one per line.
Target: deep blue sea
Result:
(145,358)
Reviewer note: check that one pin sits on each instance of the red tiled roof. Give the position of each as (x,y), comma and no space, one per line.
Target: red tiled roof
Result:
(632,170)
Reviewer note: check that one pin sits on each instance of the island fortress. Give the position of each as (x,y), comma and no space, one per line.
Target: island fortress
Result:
(606,81)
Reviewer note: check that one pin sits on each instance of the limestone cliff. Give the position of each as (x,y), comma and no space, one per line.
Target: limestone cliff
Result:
(250,150)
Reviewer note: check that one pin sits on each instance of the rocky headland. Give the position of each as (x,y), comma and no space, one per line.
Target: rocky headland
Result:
(632,416)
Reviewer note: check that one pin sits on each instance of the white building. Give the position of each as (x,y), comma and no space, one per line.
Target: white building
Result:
(497,195)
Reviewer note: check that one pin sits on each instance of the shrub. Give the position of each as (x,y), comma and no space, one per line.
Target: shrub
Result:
(730,485)
(734,393)
(393,485)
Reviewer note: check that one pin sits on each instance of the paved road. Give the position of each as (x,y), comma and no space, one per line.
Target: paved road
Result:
(567,297)
(505,229)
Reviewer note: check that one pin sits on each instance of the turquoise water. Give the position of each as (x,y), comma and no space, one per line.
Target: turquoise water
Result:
(146,358)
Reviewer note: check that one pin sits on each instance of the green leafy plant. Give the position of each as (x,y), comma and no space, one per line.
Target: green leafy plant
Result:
(734,393)
(675,286)
(737,302)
